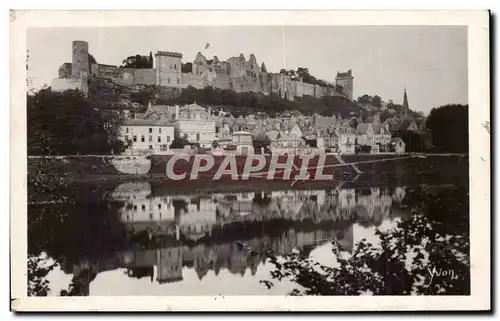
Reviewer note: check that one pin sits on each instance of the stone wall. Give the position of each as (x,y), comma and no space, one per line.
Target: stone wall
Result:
(63,84)
(222,82)
(145,77)
(193,80)
(245,77)
(307,89)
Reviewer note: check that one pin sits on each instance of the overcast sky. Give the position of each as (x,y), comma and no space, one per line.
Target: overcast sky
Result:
(430,62)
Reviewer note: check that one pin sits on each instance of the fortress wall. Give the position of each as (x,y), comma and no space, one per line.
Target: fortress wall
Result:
(193,80)
(222,82)
(145,76)
(94,69)
(124,76)
(239,84)
(107,71)
(253,84)
(65,70)
(318,91)
(63,84)
(307,89)
(283,86)
(265,83)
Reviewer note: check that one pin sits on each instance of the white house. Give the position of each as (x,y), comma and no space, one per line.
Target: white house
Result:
(243,142)
(195,124)
(146,136)
(397,145)
(364,134)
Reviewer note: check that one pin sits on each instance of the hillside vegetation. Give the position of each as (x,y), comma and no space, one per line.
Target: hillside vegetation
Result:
(110,95)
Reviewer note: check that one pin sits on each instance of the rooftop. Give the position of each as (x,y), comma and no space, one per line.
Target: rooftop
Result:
(169,54)
(347,74)
(160,121)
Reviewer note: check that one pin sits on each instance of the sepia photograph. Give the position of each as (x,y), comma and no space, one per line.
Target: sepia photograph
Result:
(288,160)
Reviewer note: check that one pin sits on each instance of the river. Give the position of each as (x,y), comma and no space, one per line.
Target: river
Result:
(137,238)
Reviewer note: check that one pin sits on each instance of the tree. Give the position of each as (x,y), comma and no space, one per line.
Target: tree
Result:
(179,143)
(142,97)
(92,59)
(137,61)
(187,67)
(449,127)
(377,101)
(306,76)
(260,141)
(150,59)
(67,123)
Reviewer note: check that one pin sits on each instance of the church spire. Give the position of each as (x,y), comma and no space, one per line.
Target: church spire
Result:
(405,104)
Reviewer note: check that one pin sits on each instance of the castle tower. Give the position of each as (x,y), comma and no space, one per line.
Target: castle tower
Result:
(80,60)
(346,80)
(168,69)
(406,107)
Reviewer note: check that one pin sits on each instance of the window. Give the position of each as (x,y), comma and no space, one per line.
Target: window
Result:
(159,139)
(126,138)
(150,138)
(159,130)
(168,139)
(197,137)
(126,130)
(143,208)
(135,208)
(178,81)
(168,80)
(143,139)
(150,146)
(135,138)
(159,206)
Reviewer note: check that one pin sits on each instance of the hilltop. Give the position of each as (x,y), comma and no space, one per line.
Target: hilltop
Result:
(109,95)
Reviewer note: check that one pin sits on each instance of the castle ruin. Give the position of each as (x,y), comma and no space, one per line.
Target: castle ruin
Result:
(236,73)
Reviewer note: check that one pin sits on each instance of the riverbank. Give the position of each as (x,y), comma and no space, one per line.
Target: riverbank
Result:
(89,168)
(85,177)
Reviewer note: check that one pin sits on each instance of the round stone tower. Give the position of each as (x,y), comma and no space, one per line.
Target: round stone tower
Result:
(80,58)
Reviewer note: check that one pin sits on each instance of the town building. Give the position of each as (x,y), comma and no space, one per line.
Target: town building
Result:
(146,136)
(243,142)
(169,262)
(195,124)
(346,139)
(397,145)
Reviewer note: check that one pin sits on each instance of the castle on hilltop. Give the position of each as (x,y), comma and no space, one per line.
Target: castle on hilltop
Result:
(236,73)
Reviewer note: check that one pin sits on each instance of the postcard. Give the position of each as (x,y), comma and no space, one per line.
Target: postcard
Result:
(250,161)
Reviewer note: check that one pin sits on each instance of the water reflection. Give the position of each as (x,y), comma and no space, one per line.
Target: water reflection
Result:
(165,238)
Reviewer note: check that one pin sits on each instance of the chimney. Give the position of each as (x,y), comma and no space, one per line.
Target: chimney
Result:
(176,111)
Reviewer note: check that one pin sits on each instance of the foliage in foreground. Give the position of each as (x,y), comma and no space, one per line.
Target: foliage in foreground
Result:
(403,262)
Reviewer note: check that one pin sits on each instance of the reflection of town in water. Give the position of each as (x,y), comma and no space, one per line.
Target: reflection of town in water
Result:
(234,231)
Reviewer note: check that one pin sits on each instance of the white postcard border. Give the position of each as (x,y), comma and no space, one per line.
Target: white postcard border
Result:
(479,160)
